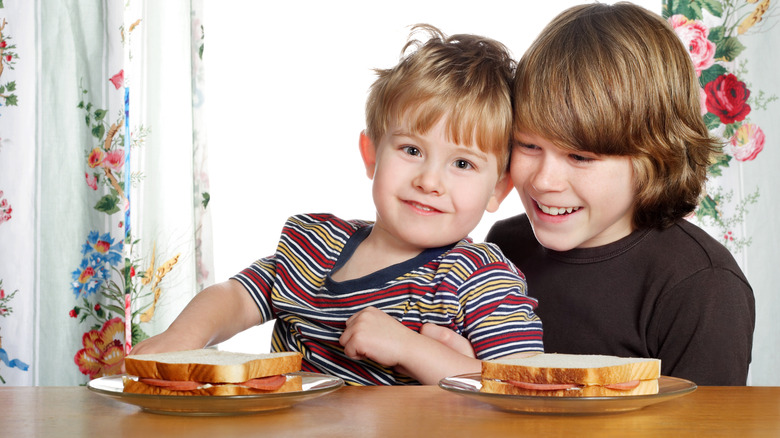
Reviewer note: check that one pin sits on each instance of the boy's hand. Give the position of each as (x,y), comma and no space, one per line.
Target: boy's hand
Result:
(164,342)
(373,334)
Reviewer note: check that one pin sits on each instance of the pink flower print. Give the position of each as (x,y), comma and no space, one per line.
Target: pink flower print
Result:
(2,294)
(96,157)
(747,142)
(5,209)
(693,34)
(128,325)
(114,159)
(118,79)
(3,44)
(91,180)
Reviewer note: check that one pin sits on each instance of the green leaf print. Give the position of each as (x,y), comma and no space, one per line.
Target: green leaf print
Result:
(108,204)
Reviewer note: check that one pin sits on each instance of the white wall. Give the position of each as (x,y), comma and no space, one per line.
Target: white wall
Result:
(287,83)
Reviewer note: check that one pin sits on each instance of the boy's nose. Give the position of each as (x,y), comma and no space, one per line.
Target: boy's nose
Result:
(429,180)
(547,176)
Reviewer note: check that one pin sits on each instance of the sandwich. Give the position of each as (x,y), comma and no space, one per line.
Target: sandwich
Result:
(571,375)
(212,372)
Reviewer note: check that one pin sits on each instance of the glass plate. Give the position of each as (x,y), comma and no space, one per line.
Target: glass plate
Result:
(314,385)
(470,384)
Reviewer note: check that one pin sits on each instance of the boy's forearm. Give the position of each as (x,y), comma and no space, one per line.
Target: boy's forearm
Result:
(216,314)
(429,361)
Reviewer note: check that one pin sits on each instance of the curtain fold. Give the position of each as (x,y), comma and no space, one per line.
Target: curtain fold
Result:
(102,242)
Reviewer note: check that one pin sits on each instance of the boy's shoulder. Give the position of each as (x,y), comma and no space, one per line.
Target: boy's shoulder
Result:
(326,220)
(479,255)
(692,241)
(680,251)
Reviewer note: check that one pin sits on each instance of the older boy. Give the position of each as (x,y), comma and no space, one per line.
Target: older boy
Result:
(353,295)
(610,156)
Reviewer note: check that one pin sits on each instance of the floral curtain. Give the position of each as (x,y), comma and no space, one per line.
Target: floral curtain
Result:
(732,44)
(104,225)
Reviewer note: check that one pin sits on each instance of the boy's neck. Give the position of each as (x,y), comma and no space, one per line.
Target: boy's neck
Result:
(373,254)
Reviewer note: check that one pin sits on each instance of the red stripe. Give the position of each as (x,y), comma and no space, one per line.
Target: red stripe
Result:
(340,361)
(498,340)
(257,280)
(305,244)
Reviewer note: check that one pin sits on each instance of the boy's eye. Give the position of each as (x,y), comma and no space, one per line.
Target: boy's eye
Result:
(524,145)
(462,164)
(411,150)
(580,158)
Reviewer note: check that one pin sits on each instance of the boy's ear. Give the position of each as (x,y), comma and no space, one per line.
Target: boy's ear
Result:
(501,191)
(368,152)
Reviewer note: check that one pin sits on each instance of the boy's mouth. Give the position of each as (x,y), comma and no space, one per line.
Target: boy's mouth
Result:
(422,207)
(556,211)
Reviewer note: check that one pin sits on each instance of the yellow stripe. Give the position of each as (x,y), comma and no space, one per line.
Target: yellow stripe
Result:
(437,308)
(301,266)
(489,287)
(487,251)
(317,228)
(494,320)
(461,272)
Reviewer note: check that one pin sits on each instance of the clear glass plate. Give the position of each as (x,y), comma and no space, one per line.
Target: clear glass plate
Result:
(469,385)
(314,385)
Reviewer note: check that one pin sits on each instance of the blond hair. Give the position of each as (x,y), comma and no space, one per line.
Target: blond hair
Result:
(465,78)
(616,80)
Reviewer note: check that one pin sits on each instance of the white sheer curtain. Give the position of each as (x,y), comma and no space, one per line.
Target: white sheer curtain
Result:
(107,108)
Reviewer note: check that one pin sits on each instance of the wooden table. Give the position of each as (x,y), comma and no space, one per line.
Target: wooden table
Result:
(427,411)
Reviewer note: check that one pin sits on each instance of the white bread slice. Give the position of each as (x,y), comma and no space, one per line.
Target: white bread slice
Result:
(572,368)
(293,383)
(211,366)
(646,387)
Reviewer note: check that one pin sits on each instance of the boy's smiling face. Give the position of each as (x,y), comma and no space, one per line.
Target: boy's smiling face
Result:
(573,199)
(429,191)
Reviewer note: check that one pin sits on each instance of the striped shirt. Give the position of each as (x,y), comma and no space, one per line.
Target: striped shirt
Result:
(470,288)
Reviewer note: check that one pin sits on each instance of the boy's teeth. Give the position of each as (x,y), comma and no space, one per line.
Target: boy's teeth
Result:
(423,207)
(556,210)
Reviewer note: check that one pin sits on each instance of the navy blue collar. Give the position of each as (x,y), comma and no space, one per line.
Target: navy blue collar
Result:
(379,278)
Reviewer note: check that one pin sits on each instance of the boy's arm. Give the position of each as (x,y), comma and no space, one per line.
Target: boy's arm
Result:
(456,342)
(449,338)
(214,315)
(372,334)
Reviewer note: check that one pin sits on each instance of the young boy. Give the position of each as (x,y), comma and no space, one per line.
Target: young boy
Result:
(610,156)
(351,296)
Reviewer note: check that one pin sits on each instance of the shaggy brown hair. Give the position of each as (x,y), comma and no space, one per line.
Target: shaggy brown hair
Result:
(616,80)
